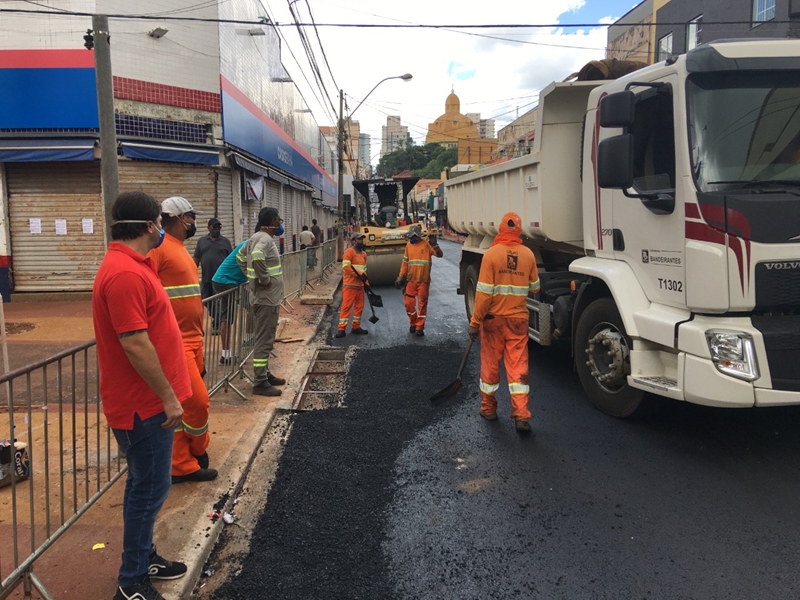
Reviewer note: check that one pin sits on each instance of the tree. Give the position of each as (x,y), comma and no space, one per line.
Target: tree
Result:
(426,161)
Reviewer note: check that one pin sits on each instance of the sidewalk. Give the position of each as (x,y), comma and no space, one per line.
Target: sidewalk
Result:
(71,569)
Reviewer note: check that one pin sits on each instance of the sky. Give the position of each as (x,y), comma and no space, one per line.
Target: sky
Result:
(496,72)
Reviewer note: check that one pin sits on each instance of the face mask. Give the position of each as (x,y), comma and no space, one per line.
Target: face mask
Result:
(414,240)
(215,233)
(191,230)
(280,231)
(360,246)
(161,232)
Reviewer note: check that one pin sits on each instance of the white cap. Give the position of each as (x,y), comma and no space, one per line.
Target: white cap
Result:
(176,206)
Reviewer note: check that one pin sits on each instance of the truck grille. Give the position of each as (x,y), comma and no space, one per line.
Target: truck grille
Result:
(782,340)
(778,287)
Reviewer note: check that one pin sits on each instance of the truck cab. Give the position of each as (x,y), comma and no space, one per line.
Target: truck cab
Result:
(698,193)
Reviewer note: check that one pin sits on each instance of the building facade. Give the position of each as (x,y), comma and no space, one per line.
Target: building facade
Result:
(516,138)
(394,135)
(365,156)
(709,20)
(204,109)
(485,127)
(629,38)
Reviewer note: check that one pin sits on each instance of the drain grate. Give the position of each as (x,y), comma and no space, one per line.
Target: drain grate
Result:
(323,382)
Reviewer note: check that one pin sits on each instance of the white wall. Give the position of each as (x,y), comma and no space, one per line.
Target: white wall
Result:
(187,56)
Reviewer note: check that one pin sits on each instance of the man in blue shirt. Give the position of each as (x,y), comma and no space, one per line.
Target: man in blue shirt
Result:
(227,276)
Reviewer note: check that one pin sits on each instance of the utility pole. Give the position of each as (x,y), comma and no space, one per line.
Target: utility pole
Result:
(105,111)
(340,151)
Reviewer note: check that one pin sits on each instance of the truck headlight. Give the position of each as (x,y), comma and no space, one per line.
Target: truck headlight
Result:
(733,353)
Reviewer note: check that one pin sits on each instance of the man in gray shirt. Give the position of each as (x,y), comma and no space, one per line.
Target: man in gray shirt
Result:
(260,261)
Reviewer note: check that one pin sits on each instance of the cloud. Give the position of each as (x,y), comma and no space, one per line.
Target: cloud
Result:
(464,75)
(493,71)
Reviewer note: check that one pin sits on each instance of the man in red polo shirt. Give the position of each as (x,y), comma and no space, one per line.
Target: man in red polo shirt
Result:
(143,381)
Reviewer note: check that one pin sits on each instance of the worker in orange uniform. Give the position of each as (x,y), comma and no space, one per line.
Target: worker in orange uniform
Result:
(178,274)
(415,277)
(508,274)
(354,275)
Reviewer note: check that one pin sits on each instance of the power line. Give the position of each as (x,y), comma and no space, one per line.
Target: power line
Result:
(386,26)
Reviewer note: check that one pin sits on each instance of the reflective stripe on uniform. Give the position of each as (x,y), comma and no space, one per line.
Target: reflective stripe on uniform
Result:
(275,271)
(502,290)
(419,263)
(195,431)
(518,388)
(360,268)
(260,362)
(534,286)
(489,388)
(183,291)
(345,264)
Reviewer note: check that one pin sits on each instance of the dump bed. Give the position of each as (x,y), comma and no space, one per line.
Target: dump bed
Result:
(544,187)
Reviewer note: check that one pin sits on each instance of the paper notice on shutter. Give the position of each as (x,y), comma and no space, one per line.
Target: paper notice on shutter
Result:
(61,227)
(35,225)
(88,225)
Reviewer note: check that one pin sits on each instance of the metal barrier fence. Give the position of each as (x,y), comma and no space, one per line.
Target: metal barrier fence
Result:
(73,459)
(228,343)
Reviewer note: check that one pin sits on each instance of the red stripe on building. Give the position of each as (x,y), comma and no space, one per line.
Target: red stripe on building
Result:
(168,95)
(229,88)
(692,211)
(5,262)
(47,59)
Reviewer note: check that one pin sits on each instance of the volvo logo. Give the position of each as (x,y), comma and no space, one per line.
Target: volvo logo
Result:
(778,266)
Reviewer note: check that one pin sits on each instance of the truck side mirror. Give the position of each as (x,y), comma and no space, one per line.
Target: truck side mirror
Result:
(617,110)
(615,162)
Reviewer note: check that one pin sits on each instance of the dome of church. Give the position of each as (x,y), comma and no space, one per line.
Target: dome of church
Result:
(452,104)
(452,126)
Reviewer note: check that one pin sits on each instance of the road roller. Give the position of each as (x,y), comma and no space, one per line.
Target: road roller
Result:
(385,234)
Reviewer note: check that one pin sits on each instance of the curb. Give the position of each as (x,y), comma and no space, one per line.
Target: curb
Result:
(196,555)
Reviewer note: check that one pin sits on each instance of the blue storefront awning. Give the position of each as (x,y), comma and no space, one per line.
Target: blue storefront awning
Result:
(39,150)
(164,153)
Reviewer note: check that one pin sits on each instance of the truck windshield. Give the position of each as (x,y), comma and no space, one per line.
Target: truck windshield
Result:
(744,130)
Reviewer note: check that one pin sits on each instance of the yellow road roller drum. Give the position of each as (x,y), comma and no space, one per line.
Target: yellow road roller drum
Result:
(385,248)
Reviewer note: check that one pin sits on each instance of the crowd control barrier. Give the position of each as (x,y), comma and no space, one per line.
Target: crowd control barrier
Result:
(70,460)
(229,318)
(70,456)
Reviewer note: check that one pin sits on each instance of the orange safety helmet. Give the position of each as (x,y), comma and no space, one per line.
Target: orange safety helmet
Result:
(511,223)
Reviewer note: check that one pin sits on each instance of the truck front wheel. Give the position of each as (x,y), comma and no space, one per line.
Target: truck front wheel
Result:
(602,358)
(470,285)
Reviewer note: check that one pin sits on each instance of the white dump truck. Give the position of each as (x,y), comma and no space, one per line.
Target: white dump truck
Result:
(664,212)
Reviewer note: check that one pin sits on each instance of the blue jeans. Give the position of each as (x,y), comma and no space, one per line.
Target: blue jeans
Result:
(148,448)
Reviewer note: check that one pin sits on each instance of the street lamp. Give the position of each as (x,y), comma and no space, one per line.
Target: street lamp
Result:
(340,151)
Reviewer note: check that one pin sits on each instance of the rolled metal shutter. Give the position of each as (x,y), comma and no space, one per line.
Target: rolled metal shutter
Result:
(196,183)
(272,190)
(51,191)
(225,202)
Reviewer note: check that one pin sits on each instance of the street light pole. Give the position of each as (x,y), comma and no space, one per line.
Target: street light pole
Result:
(340,152)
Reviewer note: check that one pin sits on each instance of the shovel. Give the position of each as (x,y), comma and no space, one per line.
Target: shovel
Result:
(456,385)
(373,298)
